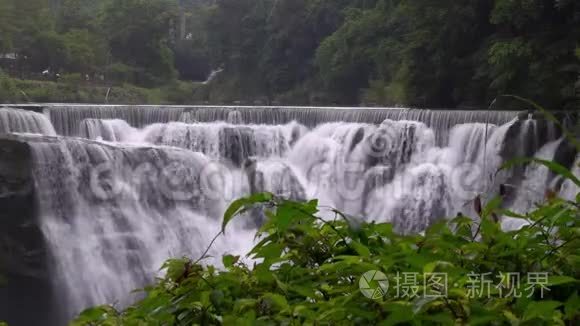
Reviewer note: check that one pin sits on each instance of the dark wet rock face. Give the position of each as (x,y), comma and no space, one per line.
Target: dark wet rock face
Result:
(23,255)
(15,179)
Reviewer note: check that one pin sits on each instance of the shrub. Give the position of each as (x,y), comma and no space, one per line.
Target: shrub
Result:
(180,92)
(8,90)
(121,73)
(37,91)
(74,79)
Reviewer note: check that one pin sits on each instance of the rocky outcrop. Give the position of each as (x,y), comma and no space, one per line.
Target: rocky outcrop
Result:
(15,176)
(23,256)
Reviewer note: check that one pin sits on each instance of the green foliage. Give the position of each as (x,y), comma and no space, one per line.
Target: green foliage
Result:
(80,36)
(242,205)
(137,32)
(306,270)
(180,92)
(121,73)
(8,90)
(72,88)
(507,58)
(421,53)
(84,51)
(517,13)
(72,79)
(5,27)
(78,14)
(344,60)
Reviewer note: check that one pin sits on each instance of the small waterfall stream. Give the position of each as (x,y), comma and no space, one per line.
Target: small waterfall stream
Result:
(120,189)
(16,120)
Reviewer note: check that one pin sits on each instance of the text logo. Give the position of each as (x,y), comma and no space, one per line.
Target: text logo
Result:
(373,284)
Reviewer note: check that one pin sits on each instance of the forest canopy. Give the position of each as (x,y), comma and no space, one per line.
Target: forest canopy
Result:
(422,53)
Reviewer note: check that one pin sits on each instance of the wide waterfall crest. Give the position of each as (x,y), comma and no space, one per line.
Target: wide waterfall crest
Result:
(66,118)
(125,187)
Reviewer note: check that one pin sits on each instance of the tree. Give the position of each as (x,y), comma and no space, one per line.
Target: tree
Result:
(423,53)
(6,28)
(78,14)
(84,51)
(532,52)
(138,33)
(345,60)
(288,56)
(192,58)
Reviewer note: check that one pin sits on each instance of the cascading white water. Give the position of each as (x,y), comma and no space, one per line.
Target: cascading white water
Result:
(141,184)
(437,181)
(469,140)
(110,130)
(532,191)
(335,158)
(113,214)
(569,189)
(413,200)
(15,120)
(539,179)
(277,177)
(223,140)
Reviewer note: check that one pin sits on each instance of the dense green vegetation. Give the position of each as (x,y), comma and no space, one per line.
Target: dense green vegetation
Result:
(71,89)
(384,52)
(307,271)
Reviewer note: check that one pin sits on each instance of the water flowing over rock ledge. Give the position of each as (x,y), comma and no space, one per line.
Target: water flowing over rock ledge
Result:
(95,198)
(67,122)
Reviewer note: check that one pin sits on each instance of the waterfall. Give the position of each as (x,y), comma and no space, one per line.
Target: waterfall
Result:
(21,121)
(569,189)
(469,141)
(335,158)
(122,188)
(115,130)
(532,190)
(438,181)
(113,214)
(234,142)
(67,118)
(413,200)
(538,179)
